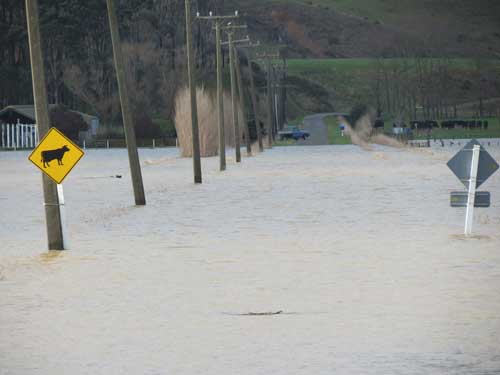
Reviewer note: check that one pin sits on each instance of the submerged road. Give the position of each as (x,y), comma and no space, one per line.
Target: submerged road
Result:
(317,129)
(359,250)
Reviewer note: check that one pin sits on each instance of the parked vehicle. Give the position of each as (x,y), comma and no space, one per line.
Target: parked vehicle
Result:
(293,133)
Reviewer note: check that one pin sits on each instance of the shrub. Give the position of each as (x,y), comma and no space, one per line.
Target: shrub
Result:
(207,122)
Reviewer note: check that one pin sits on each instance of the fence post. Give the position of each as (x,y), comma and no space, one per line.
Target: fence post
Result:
(14,135)
(18,138)
(3,144)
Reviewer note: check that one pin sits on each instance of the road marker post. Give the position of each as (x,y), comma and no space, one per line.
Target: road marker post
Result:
(62,212)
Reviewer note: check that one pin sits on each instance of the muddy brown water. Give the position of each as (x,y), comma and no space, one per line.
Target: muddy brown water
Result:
(359,250)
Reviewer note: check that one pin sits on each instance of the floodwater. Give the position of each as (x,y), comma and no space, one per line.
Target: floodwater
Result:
(358,249)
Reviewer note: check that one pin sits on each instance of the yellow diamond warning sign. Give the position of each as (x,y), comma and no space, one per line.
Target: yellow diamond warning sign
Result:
(56,155)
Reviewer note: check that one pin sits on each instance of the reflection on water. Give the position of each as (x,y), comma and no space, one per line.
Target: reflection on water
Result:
(359,250)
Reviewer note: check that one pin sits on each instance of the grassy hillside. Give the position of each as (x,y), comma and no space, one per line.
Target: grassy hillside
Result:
(371,28)
(333,47)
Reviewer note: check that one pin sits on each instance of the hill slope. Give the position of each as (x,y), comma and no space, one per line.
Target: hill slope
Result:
(374,28)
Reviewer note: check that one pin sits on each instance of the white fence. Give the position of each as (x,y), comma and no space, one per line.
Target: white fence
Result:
(14,136)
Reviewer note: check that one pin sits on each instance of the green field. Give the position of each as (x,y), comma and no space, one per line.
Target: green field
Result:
(493,131)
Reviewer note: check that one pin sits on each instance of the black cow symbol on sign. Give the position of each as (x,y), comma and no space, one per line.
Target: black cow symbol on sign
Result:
(50,155)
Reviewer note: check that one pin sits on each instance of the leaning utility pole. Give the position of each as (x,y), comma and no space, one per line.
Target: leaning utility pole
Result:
(241,95)
(135,167)
(51,200)
(220,100)
(195,134)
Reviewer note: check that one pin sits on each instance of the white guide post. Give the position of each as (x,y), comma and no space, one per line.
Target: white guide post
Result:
(276,110)
(62,212)
(469,216)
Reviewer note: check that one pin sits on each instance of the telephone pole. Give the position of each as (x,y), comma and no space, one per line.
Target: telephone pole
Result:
(270,123)
(194,105)
(236,126)
(278,74)
(50,196)
(234,54)
(230,29)
(218,20)
(254,96)
(241,95)
(133,155)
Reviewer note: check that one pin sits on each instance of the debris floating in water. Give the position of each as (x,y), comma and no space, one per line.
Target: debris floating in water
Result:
(262,313)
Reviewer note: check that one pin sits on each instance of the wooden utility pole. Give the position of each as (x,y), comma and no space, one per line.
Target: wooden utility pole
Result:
(51,201)
(270,122)
(230,29)
(220,99)
(255,106)
(253,96)
(278,70)
(236,125)
(133,155)
(194,105)
(270,106)
(241,95)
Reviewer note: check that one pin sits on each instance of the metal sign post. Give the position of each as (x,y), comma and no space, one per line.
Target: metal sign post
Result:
(473,165)
(469,216)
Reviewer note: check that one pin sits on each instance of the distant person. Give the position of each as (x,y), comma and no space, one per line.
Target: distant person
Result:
(341,125)
(485,125)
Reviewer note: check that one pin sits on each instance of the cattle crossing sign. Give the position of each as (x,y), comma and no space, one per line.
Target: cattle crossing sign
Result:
(56,155)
